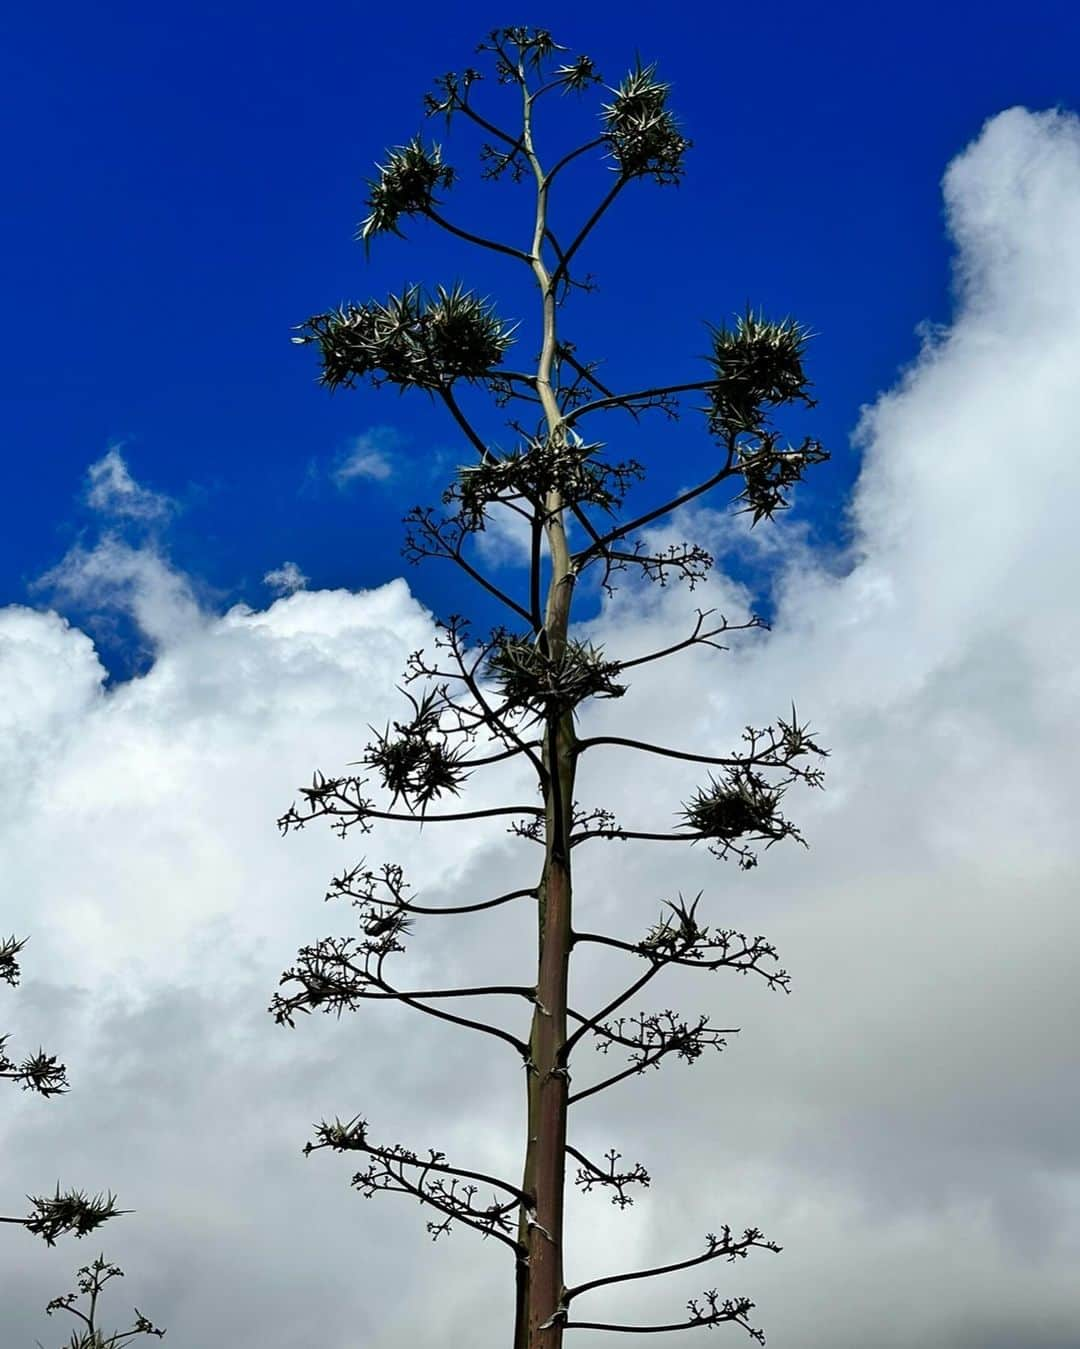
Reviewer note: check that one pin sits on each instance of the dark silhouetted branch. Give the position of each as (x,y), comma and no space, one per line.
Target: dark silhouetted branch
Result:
(732,1309)
(717,1248)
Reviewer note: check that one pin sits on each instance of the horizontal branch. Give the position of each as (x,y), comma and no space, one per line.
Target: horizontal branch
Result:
(615,400)
(516,375)
(725,1248)
(463,815)
(744,959)
(500,758)
(728,762)
(363,810)
(508,990)
(590,1023)
(657,1330)
(409,907)
(630,833)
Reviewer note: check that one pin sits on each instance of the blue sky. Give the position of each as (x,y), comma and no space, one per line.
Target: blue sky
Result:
(184,187)
(907,1124)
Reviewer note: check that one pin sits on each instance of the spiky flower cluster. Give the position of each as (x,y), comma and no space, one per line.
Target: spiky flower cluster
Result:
(641,129)
(533,47)
(9,961)
(769,471)
(530,678)
(758,364)
(411,340)
(676,933)
(542,467)
(39,1072)
(414,766)
(741,806)
(405,186)
(69,1212)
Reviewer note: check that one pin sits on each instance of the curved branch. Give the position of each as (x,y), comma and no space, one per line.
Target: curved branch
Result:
(493,244)
(628,833)
(489,126)
(698,961)
(725,1248)
(517,375)
(653,1330)
(447,395)
(728,762)
(509,990)
(592,551)
(444,819)
(521,1047)
(549,177)
(356,1144)
(616,400)
(284,1008)
(499,758)
(489,586)
(456,908)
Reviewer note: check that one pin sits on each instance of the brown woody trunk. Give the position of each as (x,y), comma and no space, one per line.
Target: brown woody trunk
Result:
(540,1282)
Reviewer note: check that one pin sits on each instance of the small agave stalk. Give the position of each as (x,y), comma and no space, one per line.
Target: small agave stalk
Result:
(92,1279)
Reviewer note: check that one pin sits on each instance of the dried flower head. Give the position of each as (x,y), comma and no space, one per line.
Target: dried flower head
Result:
(405,186)
(758,364)
(411,341)
(742,806)
(528,677)
(419,765)
(641,130)
(542,467)
(69,1212)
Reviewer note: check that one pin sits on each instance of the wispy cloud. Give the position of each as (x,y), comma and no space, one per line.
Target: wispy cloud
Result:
(112,491)
(367,456)
(286,579)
